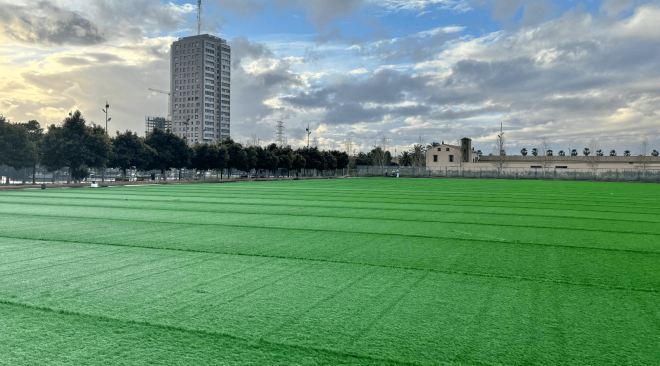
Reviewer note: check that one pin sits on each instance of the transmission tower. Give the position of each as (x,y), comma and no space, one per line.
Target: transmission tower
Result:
(280,133)
(199,17)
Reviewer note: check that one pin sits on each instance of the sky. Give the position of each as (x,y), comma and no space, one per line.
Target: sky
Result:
(436,70)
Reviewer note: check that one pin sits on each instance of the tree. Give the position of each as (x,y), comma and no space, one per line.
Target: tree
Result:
(594,160)
(284,156)
(237,155)
(644,153)
(535,152)
(654,153)
(171,151)
(363,159)
(75,145)
(341,157)
(524,151)
(221,160)
(36,134)
(313,158)
(252,157)
(349,149)
(405,159)
(546,152)
(434,144)
(500,148)
(574,152)
(612,152)
(16,148)
(561,153)
(204,157)
(266,159)
(599,152)
(380,154)
(626,153)
(330,162)
(128,151)
(298,163)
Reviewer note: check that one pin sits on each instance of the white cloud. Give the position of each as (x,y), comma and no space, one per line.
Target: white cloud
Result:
(358,71)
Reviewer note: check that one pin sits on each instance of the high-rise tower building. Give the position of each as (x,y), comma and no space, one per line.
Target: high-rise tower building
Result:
(200,78)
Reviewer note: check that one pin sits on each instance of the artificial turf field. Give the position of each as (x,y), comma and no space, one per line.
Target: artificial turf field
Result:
(366,271)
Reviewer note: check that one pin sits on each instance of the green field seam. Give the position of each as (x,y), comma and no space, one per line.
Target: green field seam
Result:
(296,190)
(358,218)
(396,210)
(449,272)
(588,200)
(520,243)
(207,333)
(439,201)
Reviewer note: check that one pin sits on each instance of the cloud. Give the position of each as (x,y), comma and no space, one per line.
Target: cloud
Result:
(45,24)
(415,47)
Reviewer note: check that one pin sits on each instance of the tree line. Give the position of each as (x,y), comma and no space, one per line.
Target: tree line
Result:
(81,146)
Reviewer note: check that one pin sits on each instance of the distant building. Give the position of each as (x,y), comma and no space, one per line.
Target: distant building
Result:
(200,85)
(450,156)
(152,122)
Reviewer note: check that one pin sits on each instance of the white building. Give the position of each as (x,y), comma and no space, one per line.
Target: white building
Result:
(200,85)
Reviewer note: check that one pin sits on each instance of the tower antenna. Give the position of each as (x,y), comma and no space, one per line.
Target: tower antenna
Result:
(280,133)
(199,17)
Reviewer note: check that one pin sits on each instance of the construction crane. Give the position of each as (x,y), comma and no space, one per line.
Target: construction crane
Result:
(168,100)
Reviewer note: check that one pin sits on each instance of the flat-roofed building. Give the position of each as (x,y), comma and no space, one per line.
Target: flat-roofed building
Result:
(200,84)
(450,156)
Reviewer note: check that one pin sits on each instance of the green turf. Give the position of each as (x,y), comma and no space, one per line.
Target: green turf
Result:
(350,271)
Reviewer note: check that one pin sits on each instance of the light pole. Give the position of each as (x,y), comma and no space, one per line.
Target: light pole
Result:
(187,122)
(107,107)
(308,133)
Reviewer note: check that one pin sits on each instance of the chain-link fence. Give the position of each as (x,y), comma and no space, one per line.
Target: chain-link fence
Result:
(603,174)
(40,175)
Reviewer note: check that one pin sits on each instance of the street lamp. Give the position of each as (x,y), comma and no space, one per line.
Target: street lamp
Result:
(107,107)
(308,133)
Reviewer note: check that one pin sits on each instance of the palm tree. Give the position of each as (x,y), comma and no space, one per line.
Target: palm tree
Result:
(561,153)
(524,151)
(405,159)
(612,152)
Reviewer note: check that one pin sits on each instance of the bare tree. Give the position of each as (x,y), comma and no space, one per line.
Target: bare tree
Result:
(315,142)
(594,160)
(644,152)
(545,151)
(499,150)
(348,148)
(384,144)
(253,140)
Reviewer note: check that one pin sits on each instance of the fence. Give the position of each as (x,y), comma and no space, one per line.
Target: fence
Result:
(42,176)
(608,175)
(11,176)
